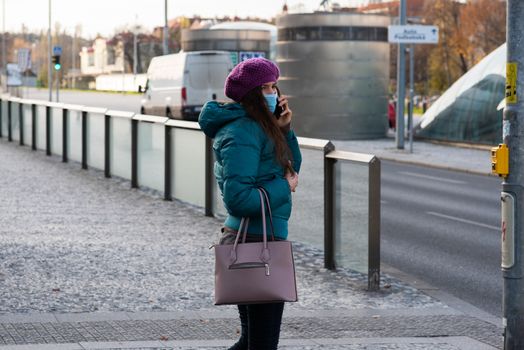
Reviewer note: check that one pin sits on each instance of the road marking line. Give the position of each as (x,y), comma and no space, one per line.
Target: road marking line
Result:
(432,177)
(496,228)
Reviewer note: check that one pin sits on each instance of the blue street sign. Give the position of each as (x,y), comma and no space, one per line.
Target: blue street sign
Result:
(57,50)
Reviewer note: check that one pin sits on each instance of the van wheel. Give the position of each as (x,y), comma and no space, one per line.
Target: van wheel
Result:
(142,110)
(168,113)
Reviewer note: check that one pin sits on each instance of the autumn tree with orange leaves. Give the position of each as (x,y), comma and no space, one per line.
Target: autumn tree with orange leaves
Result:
(467,33)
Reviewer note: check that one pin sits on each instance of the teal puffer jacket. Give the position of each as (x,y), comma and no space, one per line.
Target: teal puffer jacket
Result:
(245,160)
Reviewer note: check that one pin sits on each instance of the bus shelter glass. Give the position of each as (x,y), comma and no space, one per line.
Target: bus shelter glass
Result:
(219,209)
(15,121)
(41,127)
(4,118)
(150,157)
(307,217)
(352,213)
(74,135)
(56,130)
(188,162)
(95,140)
(28,124)
(120,147)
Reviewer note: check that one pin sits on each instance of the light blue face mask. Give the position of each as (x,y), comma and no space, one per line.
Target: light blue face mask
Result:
(271,100)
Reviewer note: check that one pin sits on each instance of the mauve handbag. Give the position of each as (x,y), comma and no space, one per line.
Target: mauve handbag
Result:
(255,273)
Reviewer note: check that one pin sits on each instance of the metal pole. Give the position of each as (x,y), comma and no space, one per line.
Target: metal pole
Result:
(3,70)
(135,53)
(401,81)
(165,29)
(73,60)
(57,83)
(167,163)
(49,70)
(512,186)
(411,92)
(329,208)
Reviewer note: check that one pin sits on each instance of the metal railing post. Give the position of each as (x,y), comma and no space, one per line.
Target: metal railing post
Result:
(134,153)
(48,130)
(374,225)
(1,116)
(167,164)
(64,135)
(9,135)
(33,127)
(84,140)
(209,177)
(329,208)
(107,145)
(21,122)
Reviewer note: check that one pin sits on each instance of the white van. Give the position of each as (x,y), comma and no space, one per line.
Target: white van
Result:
(179,84)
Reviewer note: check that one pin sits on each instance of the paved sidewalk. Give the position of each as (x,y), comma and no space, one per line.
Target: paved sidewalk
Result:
(87,263)
(466,158)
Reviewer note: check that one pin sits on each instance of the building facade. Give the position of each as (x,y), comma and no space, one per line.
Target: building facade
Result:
(103,57)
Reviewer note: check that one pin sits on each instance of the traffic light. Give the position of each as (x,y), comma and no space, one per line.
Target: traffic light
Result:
(56,62)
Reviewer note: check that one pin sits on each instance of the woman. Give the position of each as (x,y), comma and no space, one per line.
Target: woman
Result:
(254,148)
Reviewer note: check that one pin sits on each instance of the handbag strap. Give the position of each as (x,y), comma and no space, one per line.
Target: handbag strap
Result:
(266,197)
(244,223)
(265,251)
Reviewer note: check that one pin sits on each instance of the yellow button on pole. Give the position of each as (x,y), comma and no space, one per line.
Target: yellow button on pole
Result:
(500,160)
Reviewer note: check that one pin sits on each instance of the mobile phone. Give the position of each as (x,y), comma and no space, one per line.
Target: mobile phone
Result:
(278,110)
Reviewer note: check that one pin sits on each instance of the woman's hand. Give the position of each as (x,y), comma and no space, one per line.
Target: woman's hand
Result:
(292,180)
(286,115)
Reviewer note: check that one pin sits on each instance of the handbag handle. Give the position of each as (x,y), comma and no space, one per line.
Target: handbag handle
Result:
(245,221)
(264,192)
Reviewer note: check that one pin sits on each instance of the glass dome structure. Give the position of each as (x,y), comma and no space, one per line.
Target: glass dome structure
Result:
(467,111)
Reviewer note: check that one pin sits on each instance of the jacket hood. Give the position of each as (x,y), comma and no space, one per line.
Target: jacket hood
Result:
(214,115)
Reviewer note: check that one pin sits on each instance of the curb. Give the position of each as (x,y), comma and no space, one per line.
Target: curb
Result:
(453,302)
(436,166)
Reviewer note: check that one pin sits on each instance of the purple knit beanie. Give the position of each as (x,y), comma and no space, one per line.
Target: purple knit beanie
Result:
(248,75)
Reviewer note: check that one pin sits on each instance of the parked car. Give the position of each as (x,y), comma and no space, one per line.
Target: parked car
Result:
(178,85)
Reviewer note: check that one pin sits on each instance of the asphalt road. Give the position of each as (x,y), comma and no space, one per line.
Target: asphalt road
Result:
(116,101)
(443,227)
(439,226)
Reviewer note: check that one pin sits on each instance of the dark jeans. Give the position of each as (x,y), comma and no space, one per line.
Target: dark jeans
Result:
(260,322)
(260,326)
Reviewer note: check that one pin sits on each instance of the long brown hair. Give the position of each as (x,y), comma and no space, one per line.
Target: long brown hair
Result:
(256,106)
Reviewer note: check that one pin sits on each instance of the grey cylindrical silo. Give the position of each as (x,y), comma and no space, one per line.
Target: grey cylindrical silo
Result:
(335,67)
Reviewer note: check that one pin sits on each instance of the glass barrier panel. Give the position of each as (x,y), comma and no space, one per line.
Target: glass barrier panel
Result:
(40,127)
(307,218)
(120,147)
(219,210)
(15,121)
(28,125)
(188,166)
(74,135)
(56,130)
(151,139)
(352,214)
(4,118)
(95,140)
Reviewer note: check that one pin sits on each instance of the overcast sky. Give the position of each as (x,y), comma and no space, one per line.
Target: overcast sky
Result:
(103,16)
